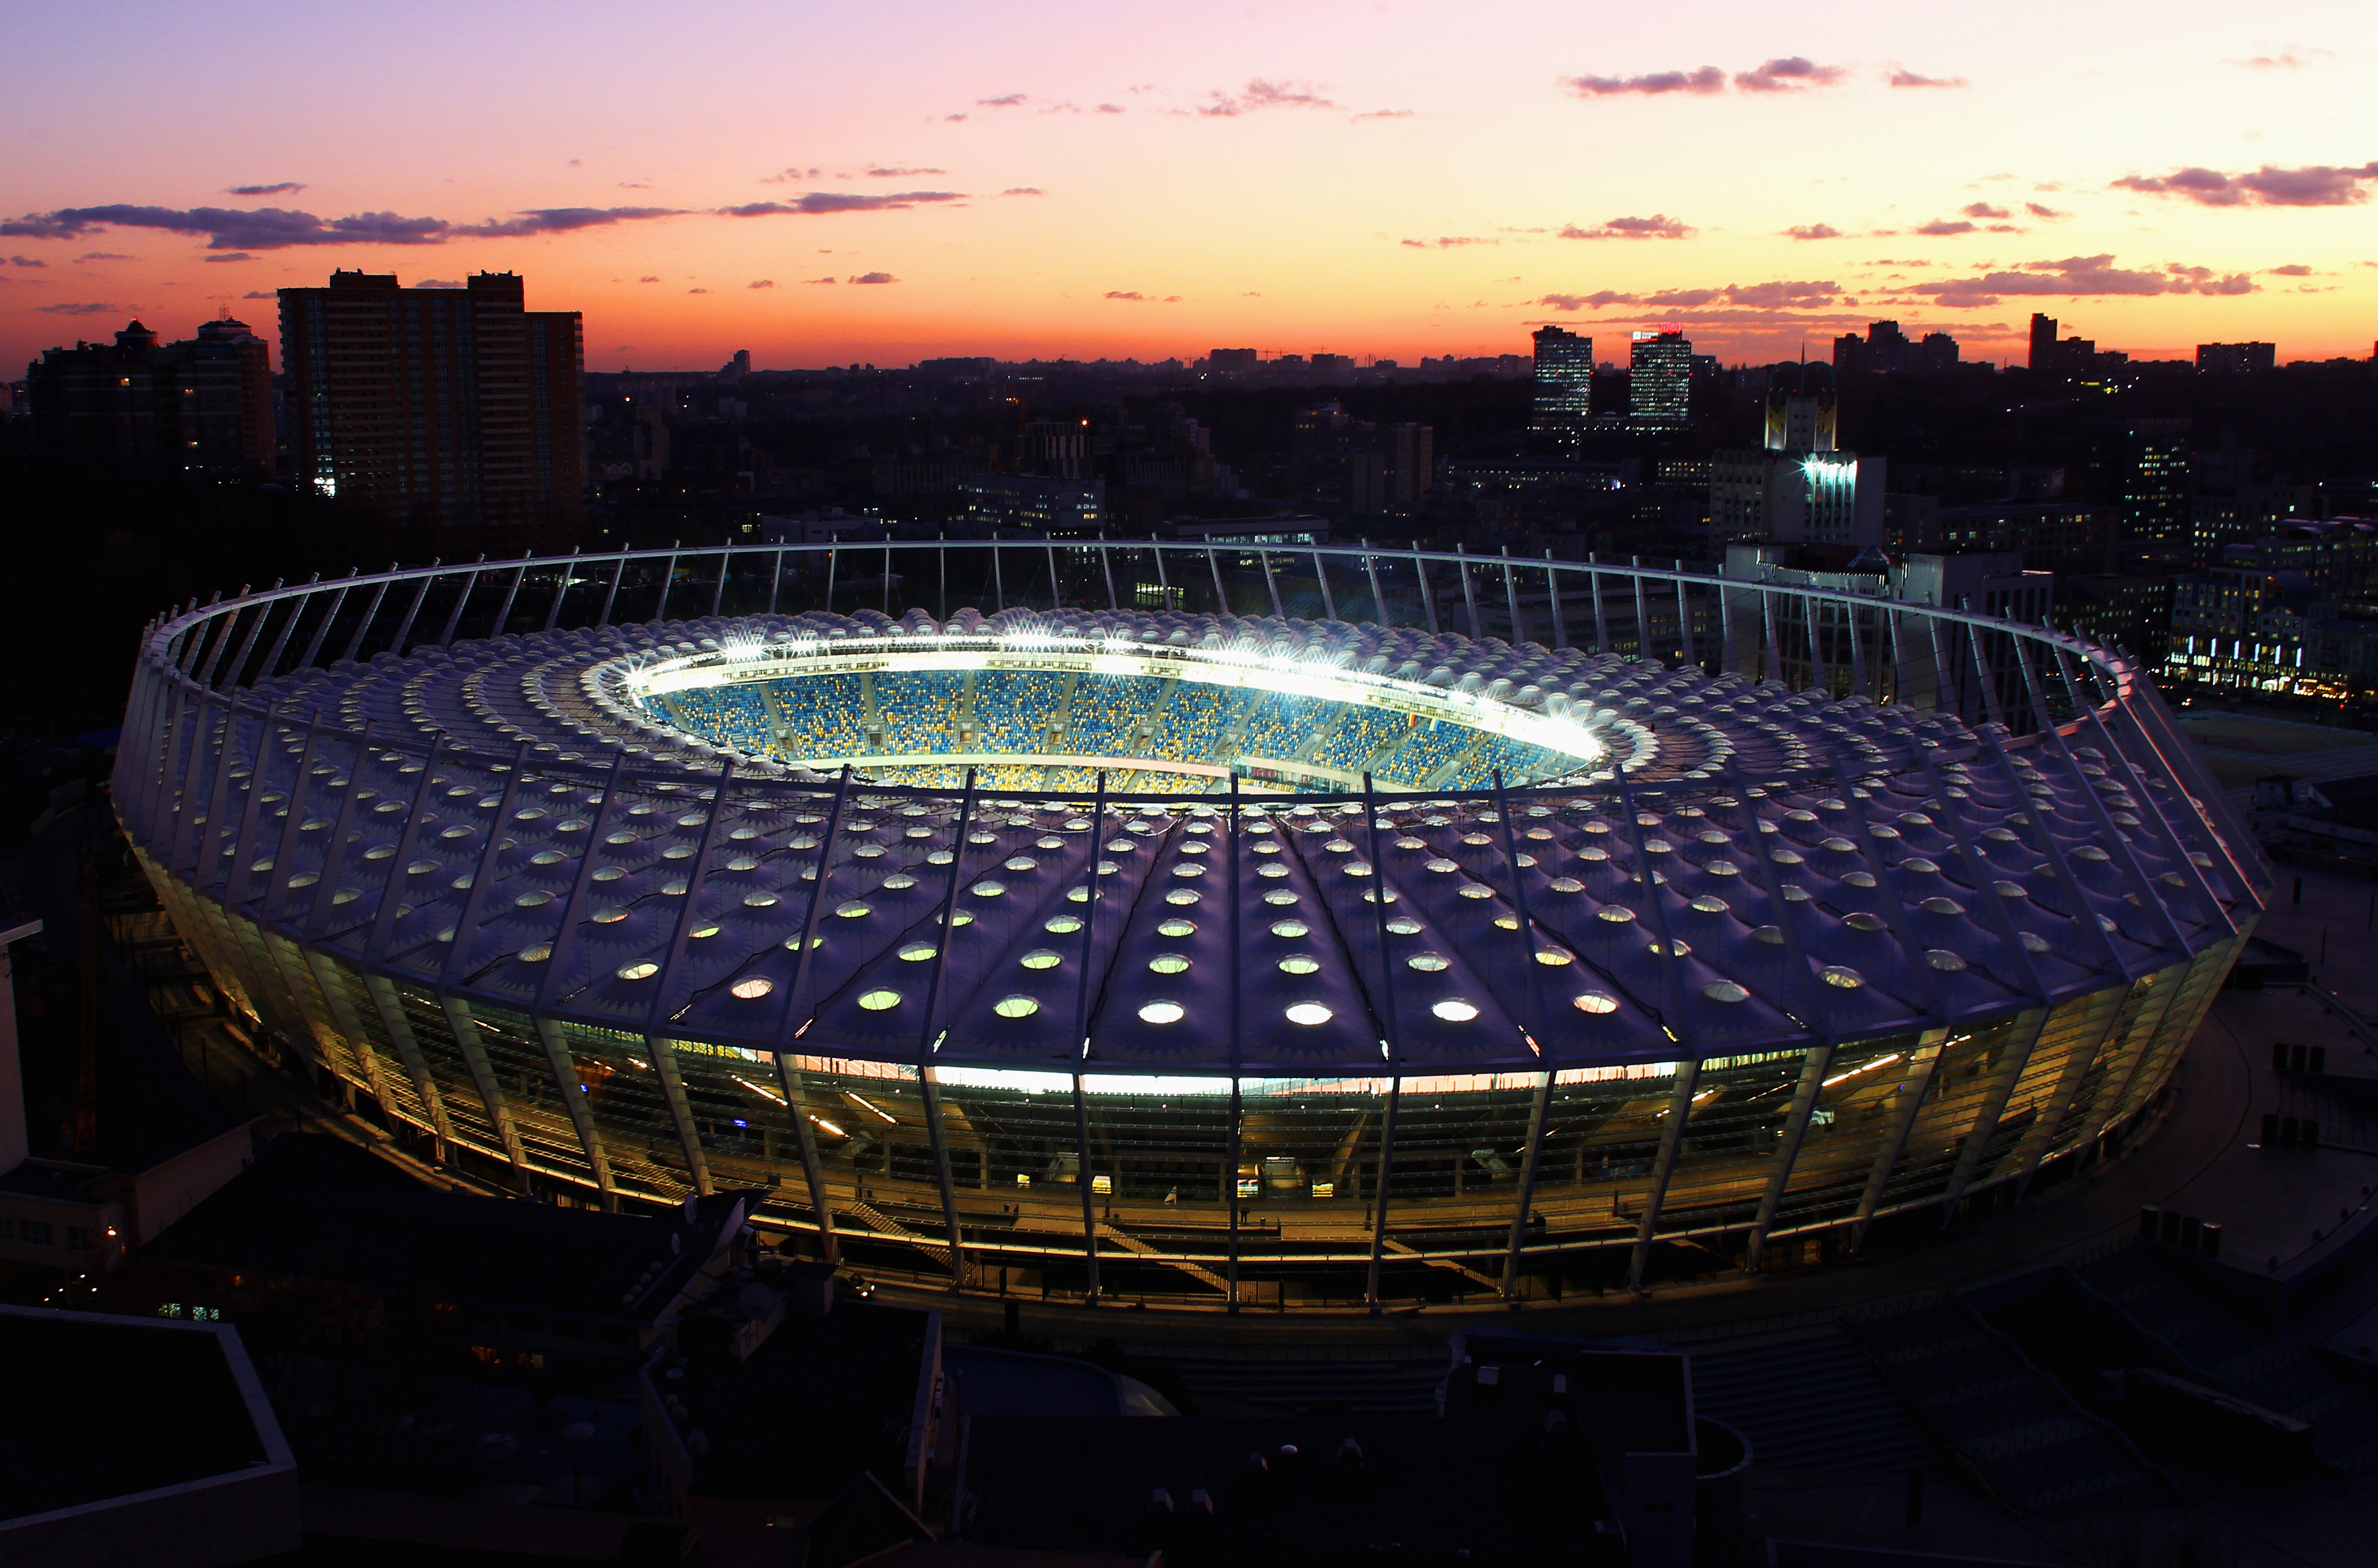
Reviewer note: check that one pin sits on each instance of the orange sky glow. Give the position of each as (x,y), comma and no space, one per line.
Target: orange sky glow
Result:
(1042,179)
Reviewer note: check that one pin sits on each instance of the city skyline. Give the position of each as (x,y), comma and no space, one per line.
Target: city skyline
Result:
(1058,181)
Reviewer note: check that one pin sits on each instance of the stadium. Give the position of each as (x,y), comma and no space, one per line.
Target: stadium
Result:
(1207,925)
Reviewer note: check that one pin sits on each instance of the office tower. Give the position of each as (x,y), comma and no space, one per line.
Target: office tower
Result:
(2140,466)
(1937,354)
(2043,343)
(1888,351)
(1055,448)
(1229,361)
(1800,489)
(2235,359)
(200,410)
(1803,414)
(1849,354)
(449,415)
(1564,379)
(1659,390)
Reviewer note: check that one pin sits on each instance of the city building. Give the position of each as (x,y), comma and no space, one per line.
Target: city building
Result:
(1564,379)
(2140,467)
(198,410)
(1223,362)
(1660,386)
(996,501)
(1888,351)
(2061,536)
(1937,354)
(2233,359)
(448,416)
(1798,487)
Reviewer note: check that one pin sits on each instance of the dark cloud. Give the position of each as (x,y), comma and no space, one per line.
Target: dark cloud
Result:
(1790,74)
(1901,77)
(562,221)
(821,280)
(697,291)
(281,188)
(1262,94)
(2076,276)
(1126,294)
(2292,269)
(788,176)
(25,261)
(231,256)
(1945,226)
(439,283)
(1449,242)
(105,255)
(1024,190)
(900,174)
(1777,295)
(1108,109)
(1814,231)
(760,283)
(818,202)
(260,293)
(77,309)
(875,277)
(649,278)
(1983,210)
(230,228)
(1004,100)
(1709,79)
(1659,226)
(2316,184)
(2036,210)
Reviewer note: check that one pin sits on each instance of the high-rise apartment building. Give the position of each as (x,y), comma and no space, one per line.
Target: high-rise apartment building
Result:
(1660,387)
(200,410)
(1888,351)
(449,415)
(2233,359)
(1564,379)
(2042,359)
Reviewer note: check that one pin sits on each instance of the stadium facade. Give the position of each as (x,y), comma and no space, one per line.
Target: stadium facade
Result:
(1052,944)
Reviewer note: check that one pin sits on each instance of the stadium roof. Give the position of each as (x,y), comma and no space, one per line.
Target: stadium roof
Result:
(1819,865)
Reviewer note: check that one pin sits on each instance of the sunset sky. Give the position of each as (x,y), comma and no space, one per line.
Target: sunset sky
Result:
(891,181)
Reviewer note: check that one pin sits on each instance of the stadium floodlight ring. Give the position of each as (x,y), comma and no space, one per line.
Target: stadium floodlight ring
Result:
(1772,909)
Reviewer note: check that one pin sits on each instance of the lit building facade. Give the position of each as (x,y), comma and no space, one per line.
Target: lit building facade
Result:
(1659,384)
(1564,398)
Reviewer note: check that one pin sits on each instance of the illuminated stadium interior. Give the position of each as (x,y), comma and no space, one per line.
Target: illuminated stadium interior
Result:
(1193,955)
(1034,707)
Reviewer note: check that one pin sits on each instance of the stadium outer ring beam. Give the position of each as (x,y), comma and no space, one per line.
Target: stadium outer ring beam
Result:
(1947,897)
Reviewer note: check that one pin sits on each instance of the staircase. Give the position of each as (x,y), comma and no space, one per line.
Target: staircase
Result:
(1808,1400)
(2227,1345)
(2010,1423)
(884,1225)
(1357,1388)
(1131,1243)
(1397,1248)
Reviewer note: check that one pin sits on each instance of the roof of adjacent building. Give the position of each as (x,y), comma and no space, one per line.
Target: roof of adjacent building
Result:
(105,1408)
